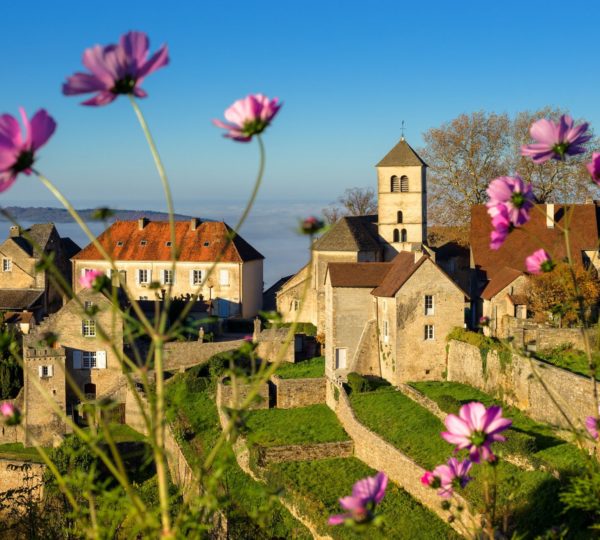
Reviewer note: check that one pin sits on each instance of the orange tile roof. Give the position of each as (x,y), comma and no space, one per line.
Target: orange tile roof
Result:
(126,241)
(356,275)
(501,279)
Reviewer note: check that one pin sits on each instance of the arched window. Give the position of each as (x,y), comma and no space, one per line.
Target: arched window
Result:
(396,235)
(403,237)
(400,216)
(404,184)
(395,184)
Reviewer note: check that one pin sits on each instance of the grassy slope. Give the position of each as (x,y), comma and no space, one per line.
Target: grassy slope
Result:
(570,359)
(249,497)
(318,485)
(305,425)
(307,369)
(416,432)
(18,451)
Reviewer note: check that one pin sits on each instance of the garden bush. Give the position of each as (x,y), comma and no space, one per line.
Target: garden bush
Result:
(448,403)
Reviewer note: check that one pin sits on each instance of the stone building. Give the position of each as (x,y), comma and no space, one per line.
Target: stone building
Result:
(499,277)
(142,253)
(22,286)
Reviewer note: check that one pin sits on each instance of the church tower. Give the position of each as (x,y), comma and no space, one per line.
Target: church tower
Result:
(402,200)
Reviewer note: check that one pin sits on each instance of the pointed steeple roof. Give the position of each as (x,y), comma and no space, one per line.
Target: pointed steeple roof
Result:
(402,155)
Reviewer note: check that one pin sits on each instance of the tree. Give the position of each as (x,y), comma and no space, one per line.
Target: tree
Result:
(553,293)
(354,202)
(465,154)
(11,373)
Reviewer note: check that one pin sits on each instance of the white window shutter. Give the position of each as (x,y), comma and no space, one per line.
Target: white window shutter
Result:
(192,278)
(101,359)
(41,371)
(149,276)
(137,277)
(76,359)
(50,371)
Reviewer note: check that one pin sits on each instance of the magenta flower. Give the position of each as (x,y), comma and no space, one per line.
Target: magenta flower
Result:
(248,117)
(539,262)
(556,140)
(476,428)
(116,69)
(88,279)
(17,150)
(592,424)
(514,194)
(428,479)
(11,415)
(311,225)
(594,167)
(502,227)
(366,495)
(484,320)
(453,475)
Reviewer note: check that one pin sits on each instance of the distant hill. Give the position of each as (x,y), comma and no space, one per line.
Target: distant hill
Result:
(60,215)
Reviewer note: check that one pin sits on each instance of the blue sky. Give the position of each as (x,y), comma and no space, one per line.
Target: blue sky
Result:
(348,73)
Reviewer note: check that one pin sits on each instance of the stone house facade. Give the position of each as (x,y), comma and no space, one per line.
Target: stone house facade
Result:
(22,286)
(228,274)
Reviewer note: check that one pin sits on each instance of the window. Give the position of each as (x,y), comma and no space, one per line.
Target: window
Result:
(120,243)
(400,216)
(404,184)
(429,333)
(428,305)
(386,331)
(196,277)
(88,305)
(143,242)
(394,184)
(206,244)
(295,305)
(88,359)
(6,265)
(168,277)
(143,298)
(143,276)
(45,371)
(88,328)
(396,235)
(224,277)
(403,236)
(168,244)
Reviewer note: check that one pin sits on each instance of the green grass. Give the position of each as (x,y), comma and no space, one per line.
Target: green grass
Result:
(306,369)
(252,510)
(315,487)
(550,449)
(305,425)
(416,432)
(18,451)
(123,433)
(570,359)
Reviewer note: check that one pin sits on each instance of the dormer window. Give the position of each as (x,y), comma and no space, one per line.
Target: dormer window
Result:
(120,243)
(168,244)
(143,242)
(206,244)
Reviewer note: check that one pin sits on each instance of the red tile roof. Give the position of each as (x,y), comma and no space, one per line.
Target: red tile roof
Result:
(403,266)
(123,240)
(535,234)
(501,279)
(369,274)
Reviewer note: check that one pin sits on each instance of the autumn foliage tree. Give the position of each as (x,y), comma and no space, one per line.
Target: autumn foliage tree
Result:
(553,296)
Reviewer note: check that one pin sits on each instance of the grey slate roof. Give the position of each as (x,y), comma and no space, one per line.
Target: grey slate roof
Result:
(350,233)
(18,299)
(402,155)
(39,233)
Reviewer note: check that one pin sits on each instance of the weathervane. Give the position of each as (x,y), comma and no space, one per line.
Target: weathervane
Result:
(402,129)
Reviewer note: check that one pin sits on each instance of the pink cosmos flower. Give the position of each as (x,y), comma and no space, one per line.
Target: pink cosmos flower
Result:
(484,320)
(88,279)
(512,193)
(592,424)
(428,479)
(556,140)
(11,415)
(594,167)
(248,117)
(452,476)
(476,428)
(502,227)
(366,494)
(17,150)
(539,262)
(116,69)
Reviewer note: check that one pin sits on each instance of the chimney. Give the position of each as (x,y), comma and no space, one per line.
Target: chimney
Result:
(142,222)
(550,215)
(15,231)
(194,223)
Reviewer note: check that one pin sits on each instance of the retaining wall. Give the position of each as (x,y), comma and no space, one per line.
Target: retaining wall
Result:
(180,355)
(302,452)
(299,392)
(225,395)
(25,477)
(382,456)
(516,380)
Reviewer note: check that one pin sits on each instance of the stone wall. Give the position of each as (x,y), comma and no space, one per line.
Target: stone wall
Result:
(12,434)
(515,380)
(180,355)
(302,452)
(225,397)
(271,345)
(382,456)
(526,331)
(298,392)
(21,475)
